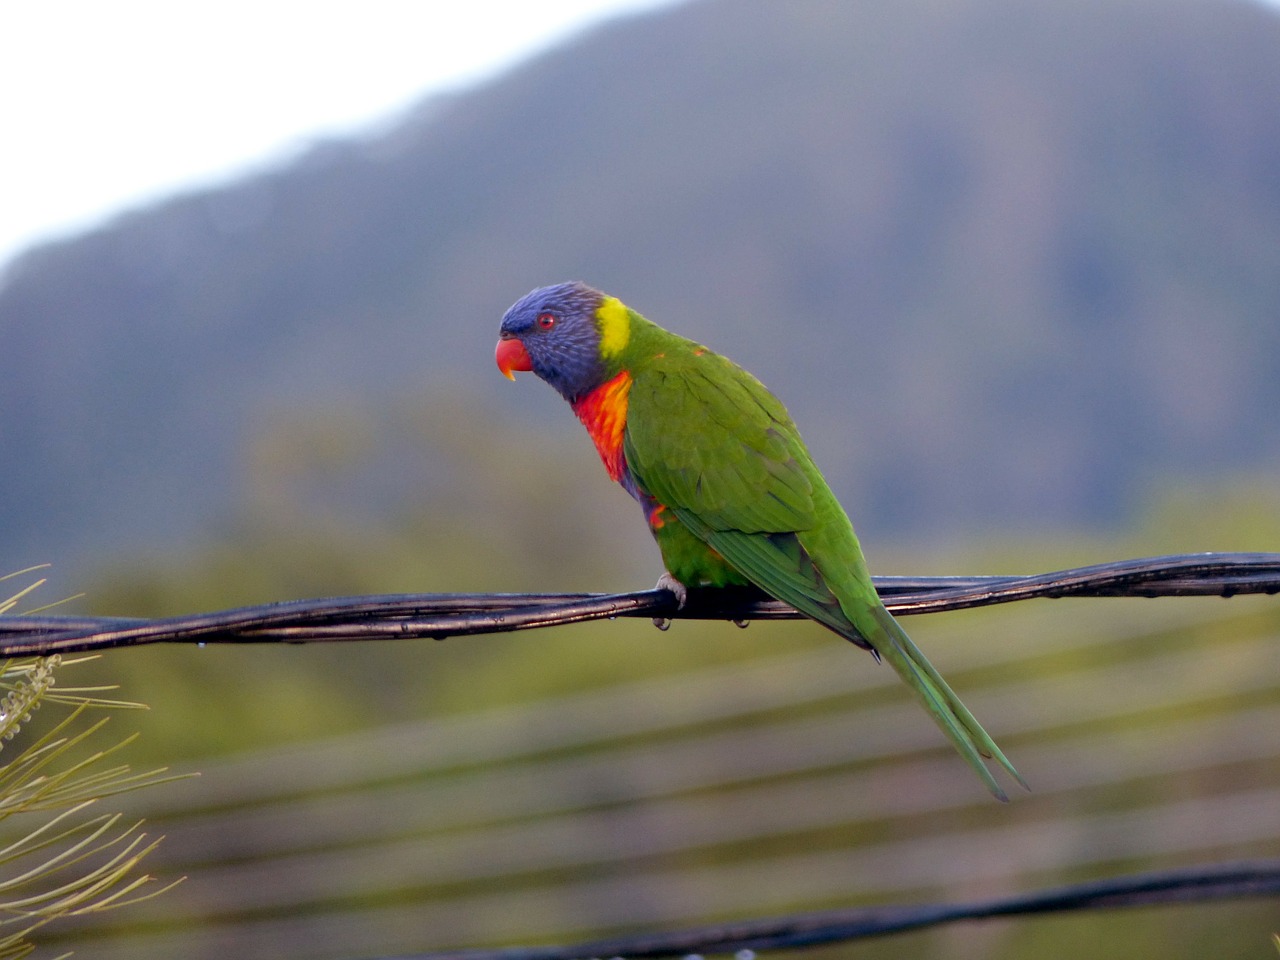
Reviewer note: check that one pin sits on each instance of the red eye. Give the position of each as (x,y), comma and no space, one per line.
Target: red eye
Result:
(546,321)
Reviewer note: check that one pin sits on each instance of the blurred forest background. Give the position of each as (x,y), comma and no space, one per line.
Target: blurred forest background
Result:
(1014,267)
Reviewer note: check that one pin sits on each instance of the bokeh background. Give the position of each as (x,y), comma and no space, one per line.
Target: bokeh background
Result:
(1014,267)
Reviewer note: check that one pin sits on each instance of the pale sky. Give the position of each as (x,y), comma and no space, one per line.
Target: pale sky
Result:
(106,105)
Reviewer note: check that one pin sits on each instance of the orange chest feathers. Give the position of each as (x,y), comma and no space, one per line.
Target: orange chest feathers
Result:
(603,412)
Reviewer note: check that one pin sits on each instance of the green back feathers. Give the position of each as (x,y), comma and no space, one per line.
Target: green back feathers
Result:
(705,437)
(706,440)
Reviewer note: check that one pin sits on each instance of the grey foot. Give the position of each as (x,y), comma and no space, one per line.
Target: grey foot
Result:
(668,582)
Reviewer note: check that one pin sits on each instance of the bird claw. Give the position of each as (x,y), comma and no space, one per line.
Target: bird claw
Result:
(675,587)
(668,582)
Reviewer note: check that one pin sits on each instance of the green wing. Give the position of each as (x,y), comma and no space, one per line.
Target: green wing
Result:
(703,439)
(707,440)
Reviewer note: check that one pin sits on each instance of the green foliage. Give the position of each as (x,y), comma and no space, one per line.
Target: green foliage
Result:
(520,511)
(1232,513)
(437,493)
(72,862)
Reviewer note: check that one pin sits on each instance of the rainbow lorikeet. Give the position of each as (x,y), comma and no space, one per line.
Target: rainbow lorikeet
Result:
(727,485)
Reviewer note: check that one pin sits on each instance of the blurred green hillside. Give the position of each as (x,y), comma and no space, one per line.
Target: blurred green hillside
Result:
(1009,264)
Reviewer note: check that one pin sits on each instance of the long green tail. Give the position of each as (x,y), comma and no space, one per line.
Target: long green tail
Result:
(972,742)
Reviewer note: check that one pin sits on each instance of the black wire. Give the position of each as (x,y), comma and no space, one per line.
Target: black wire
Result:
(1187,885)
(449,615)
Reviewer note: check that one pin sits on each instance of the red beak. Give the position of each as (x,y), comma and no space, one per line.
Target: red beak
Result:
(512,356)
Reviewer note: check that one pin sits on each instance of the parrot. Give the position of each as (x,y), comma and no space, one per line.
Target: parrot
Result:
(726,484)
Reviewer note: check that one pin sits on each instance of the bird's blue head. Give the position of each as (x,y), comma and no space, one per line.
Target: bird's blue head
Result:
(556,332)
